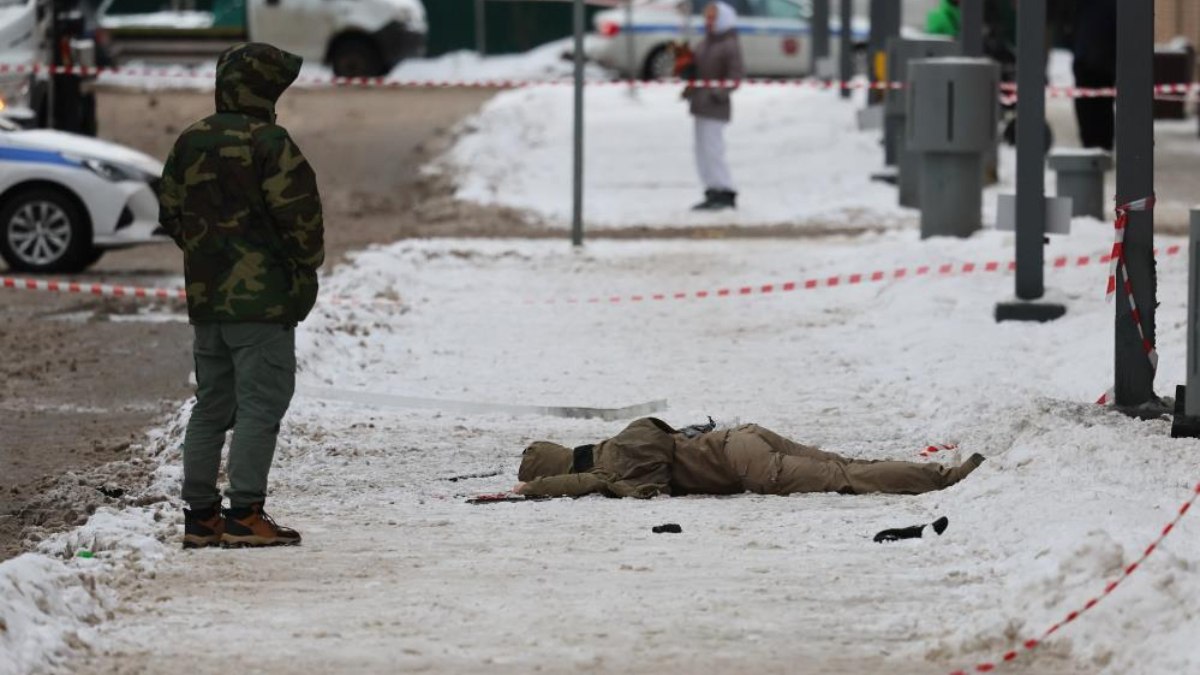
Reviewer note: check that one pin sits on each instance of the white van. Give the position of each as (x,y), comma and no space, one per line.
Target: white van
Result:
(357,38)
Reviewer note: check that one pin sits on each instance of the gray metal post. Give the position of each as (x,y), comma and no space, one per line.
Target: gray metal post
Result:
(819,46)
(480,28)
(971,30)
(846,48)
(577,206)
(900,53)
(1134,376)
(1031,148)
(885,24)
(1192,404)
(630,52)
(1186,422)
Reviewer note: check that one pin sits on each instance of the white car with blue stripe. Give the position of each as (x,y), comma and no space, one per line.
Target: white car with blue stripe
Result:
(65,199)
(775,36)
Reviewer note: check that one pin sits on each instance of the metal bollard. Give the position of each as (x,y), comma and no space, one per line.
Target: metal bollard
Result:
(900,52)
(951,125)
(1081,177)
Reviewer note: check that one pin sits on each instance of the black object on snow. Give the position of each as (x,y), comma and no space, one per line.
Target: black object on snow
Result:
(673,528)
(914,532)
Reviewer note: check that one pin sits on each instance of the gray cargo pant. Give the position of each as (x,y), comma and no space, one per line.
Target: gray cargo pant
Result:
(245,377)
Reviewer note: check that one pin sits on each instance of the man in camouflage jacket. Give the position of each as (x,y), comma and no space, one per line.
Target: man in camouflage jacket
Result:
(241,201)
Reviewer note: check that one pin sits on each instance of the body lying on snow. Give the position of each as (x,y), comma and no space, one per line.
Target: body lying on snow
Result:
(650,458)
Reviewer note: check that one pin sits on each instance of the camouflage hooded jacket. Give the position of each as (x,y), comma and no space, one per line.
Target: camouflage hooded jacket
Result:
(241,201)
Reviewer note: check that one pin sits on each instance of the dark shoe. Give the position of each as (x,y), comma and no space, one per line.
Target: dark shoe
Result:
(202,527)
(251,527)
(729,198)
(710,199)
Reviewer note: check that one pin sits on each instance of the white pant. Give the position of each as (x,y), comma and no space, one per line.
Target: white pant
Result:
(710,154)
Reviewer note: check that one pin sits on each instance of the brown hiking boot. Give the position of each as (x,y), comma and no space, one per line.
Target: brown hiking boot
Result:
(202,527)
(250,526)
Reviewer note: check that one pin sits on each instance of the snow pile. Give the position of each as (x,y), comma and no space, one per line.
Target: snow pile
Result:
(796,156)
(542,63)
(52,599)
(547,62)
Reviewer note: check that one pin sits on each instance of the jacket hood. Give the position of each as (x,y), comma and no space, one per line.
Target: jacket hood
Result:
(544,459)
(252,76)
(726,19)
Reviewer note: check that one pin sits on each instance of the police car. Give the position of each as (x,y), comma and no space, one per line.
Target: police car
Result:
(775,36)
(65,199)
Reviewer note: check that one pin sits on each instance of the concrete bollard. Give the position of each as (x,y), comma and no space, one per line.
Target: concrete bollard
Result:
(900,52)
(951,126)
(1081,177)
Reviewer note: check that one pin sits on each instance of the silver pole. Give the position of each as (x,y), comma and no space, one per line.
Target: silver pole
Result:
(577,211)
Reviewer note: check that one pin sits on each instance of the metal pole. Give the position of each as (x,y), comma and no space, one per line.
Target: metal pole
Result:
(846,51)
(886,16)
(1031,149)
(820,36)
(1134,375)
(480,28)
(1192,403)
(972,27)
(577,211)
(630,53)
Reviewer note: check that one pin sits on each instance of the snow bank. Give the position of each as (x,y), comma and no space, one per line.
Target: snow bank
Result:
(52,599)
(796,156)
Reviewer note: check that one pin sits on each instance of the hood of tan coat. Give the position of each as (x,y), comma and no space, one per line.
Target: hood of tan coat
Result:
(543,459)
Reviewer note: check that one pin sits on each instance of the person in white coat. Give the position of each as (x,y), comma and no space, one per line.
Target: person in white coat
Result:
(719,59)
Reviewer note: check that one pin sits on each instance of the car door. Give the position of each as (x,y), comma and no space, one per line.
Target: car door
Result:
(785,37)
(302,27)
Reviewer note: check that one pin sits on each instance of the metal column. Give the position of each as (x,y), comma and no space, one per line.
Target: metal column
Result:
(1031,148)
(971,32)
(846,50)
(1187,409)
(577,193)
(1134,375)
(820,36)
(885,24)
(1031,172)
(480,28)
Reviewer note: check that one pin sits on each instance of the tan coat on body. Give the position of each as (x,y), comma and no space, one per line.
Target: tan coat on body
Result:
(650,458)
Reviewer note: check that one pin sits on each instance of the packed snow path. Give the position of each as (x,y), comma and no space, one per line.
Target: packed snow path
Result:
(397,574)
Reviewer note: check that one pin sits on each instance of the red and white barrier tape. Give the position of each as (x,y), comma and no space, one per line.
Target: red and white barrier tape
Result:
(104,290)
(1117,260)
(1034,643)
(938,271)
(1009,91)
(921,271)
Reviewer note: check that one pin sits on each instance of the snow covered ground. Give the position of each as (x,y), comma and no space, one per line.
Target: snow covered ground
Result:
(397,573)
(796,156)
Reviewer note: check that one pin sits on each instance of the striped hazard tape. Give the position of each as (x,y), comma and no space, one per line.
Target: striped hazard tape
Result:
(942,270)
(1117,261)
(1033,643)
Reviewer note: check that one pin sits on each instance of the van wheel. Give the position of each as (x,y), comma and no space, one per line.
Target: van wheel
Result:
(659,65)
(42,230)
(356,56)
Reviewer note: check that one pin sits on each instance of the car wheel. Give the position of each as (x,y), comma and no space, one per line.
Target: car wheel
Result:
(43,230)
(355,56)
(660,64)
